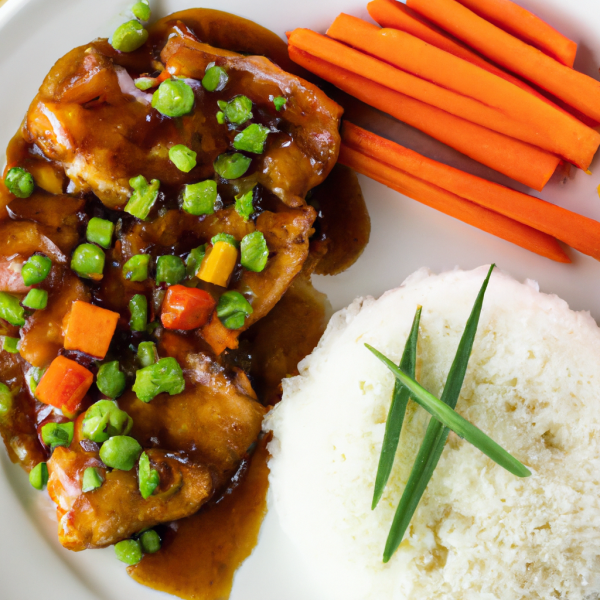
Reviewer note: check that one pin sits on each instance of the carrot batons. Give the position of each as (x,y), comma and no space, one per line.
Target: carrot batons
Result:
(526,26)
(218,337)
(89,329)
(577,231)
(64,385)
(186,308)
(522,162)
(510,110)
(453,205)
(574,88)
(218,264)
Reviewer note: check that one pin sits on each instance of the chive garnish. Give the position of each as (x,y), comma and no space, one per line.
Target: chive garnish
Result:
(395,418)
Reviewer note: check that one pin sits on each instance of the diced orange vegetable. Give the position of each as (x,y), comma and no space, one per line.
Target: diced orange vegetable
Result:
(89,329)
(186,308)
(218,337)
(64,385)
(218,264)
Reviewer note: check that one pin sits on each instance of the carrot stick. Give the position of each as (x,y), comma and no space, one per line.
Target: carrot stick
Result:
(533,120)
(518,160)
(526,26)
(576,89)
(577,231)
(454,206)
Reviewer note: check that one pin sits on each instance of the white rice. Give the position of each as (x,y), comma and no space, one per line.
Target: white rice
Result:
(480,533)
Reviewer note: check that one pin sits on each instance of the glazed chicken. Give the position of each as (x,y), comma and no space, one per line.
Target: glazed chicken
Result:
(89,134)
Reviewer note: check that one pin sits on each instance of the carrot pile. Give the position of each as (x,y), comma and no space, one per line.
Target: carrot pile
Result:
(462,71)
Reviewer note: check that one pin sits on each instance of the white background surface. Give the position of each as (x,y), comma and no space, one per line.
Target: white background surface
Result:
(405,236)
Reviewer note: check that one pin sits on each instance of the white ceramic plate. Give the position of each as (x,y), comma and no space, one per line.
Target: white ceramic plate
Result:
(405,236)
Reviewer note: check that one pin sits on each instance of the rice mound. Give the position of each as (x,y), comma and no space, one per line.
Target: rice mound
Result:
(479,533)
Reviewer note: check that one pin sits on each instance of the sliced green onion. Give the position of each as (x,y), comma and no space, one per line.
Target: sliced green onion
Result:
(141,11)
(143,198)
(10,344)
(34,376)
(200,198)
(104,420)
(170,270)
(138,307)
(88,261)
(6,400)
(183,157)
(224,237)
(232,166)
(11,310)
(100,231)
(136,268)
(148,478)
(395,418)
(233,309)
(173,98)
(129,37)
(255,252)
(129,552)
(38,476)
(243,204)
(120,452)
(279,102)
(147,354)
(19,182)
(221,118)
(252,139)
(36,299)
(36,269)
(92,480)
(164,376)
(238,110)
(58,434)
(111,380)
(144,83)
(150,541)
(215,79)
(194,260)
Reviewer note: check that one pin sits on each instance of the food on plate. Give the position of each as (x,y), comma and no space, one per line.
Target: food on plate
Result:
(478,531)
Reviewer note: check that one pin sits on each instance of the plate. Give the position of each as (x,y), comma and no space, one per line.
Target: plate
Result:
(405,236)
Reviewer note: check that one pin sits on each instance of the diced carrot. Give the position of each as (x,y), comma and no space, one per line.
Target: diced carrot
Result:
(89,329)
(526,26)
(454,206)
(218,337)
(64,385)
(522,162)
(186,308)
(218,264)
(576,89)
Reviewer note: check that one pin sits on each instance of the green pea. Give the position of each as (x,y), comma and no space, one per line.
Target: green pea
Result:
(120,452)
(141,11)
(173,98)
(36,299)
(136,268)
(254,251)
(252,139)
(92,480)
(10,344)
(129,37)
(144,83)
(143,198)
(104,420)
(148,478)
(224,237)
(150,541)
(58,434)
(100,231)
(19,182)
(6,400)
(11,310)
(129,552)
(215,79)
(238,110)
(279,102)
(138,307)
(182,157)
(232,166)
(170,270)
(221,118)
(36,269)
(111,380)
(164,376)
(243,204)
(38,476)
(88,261)
(200,198)
(194,260)
(147,354)
(233,309)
